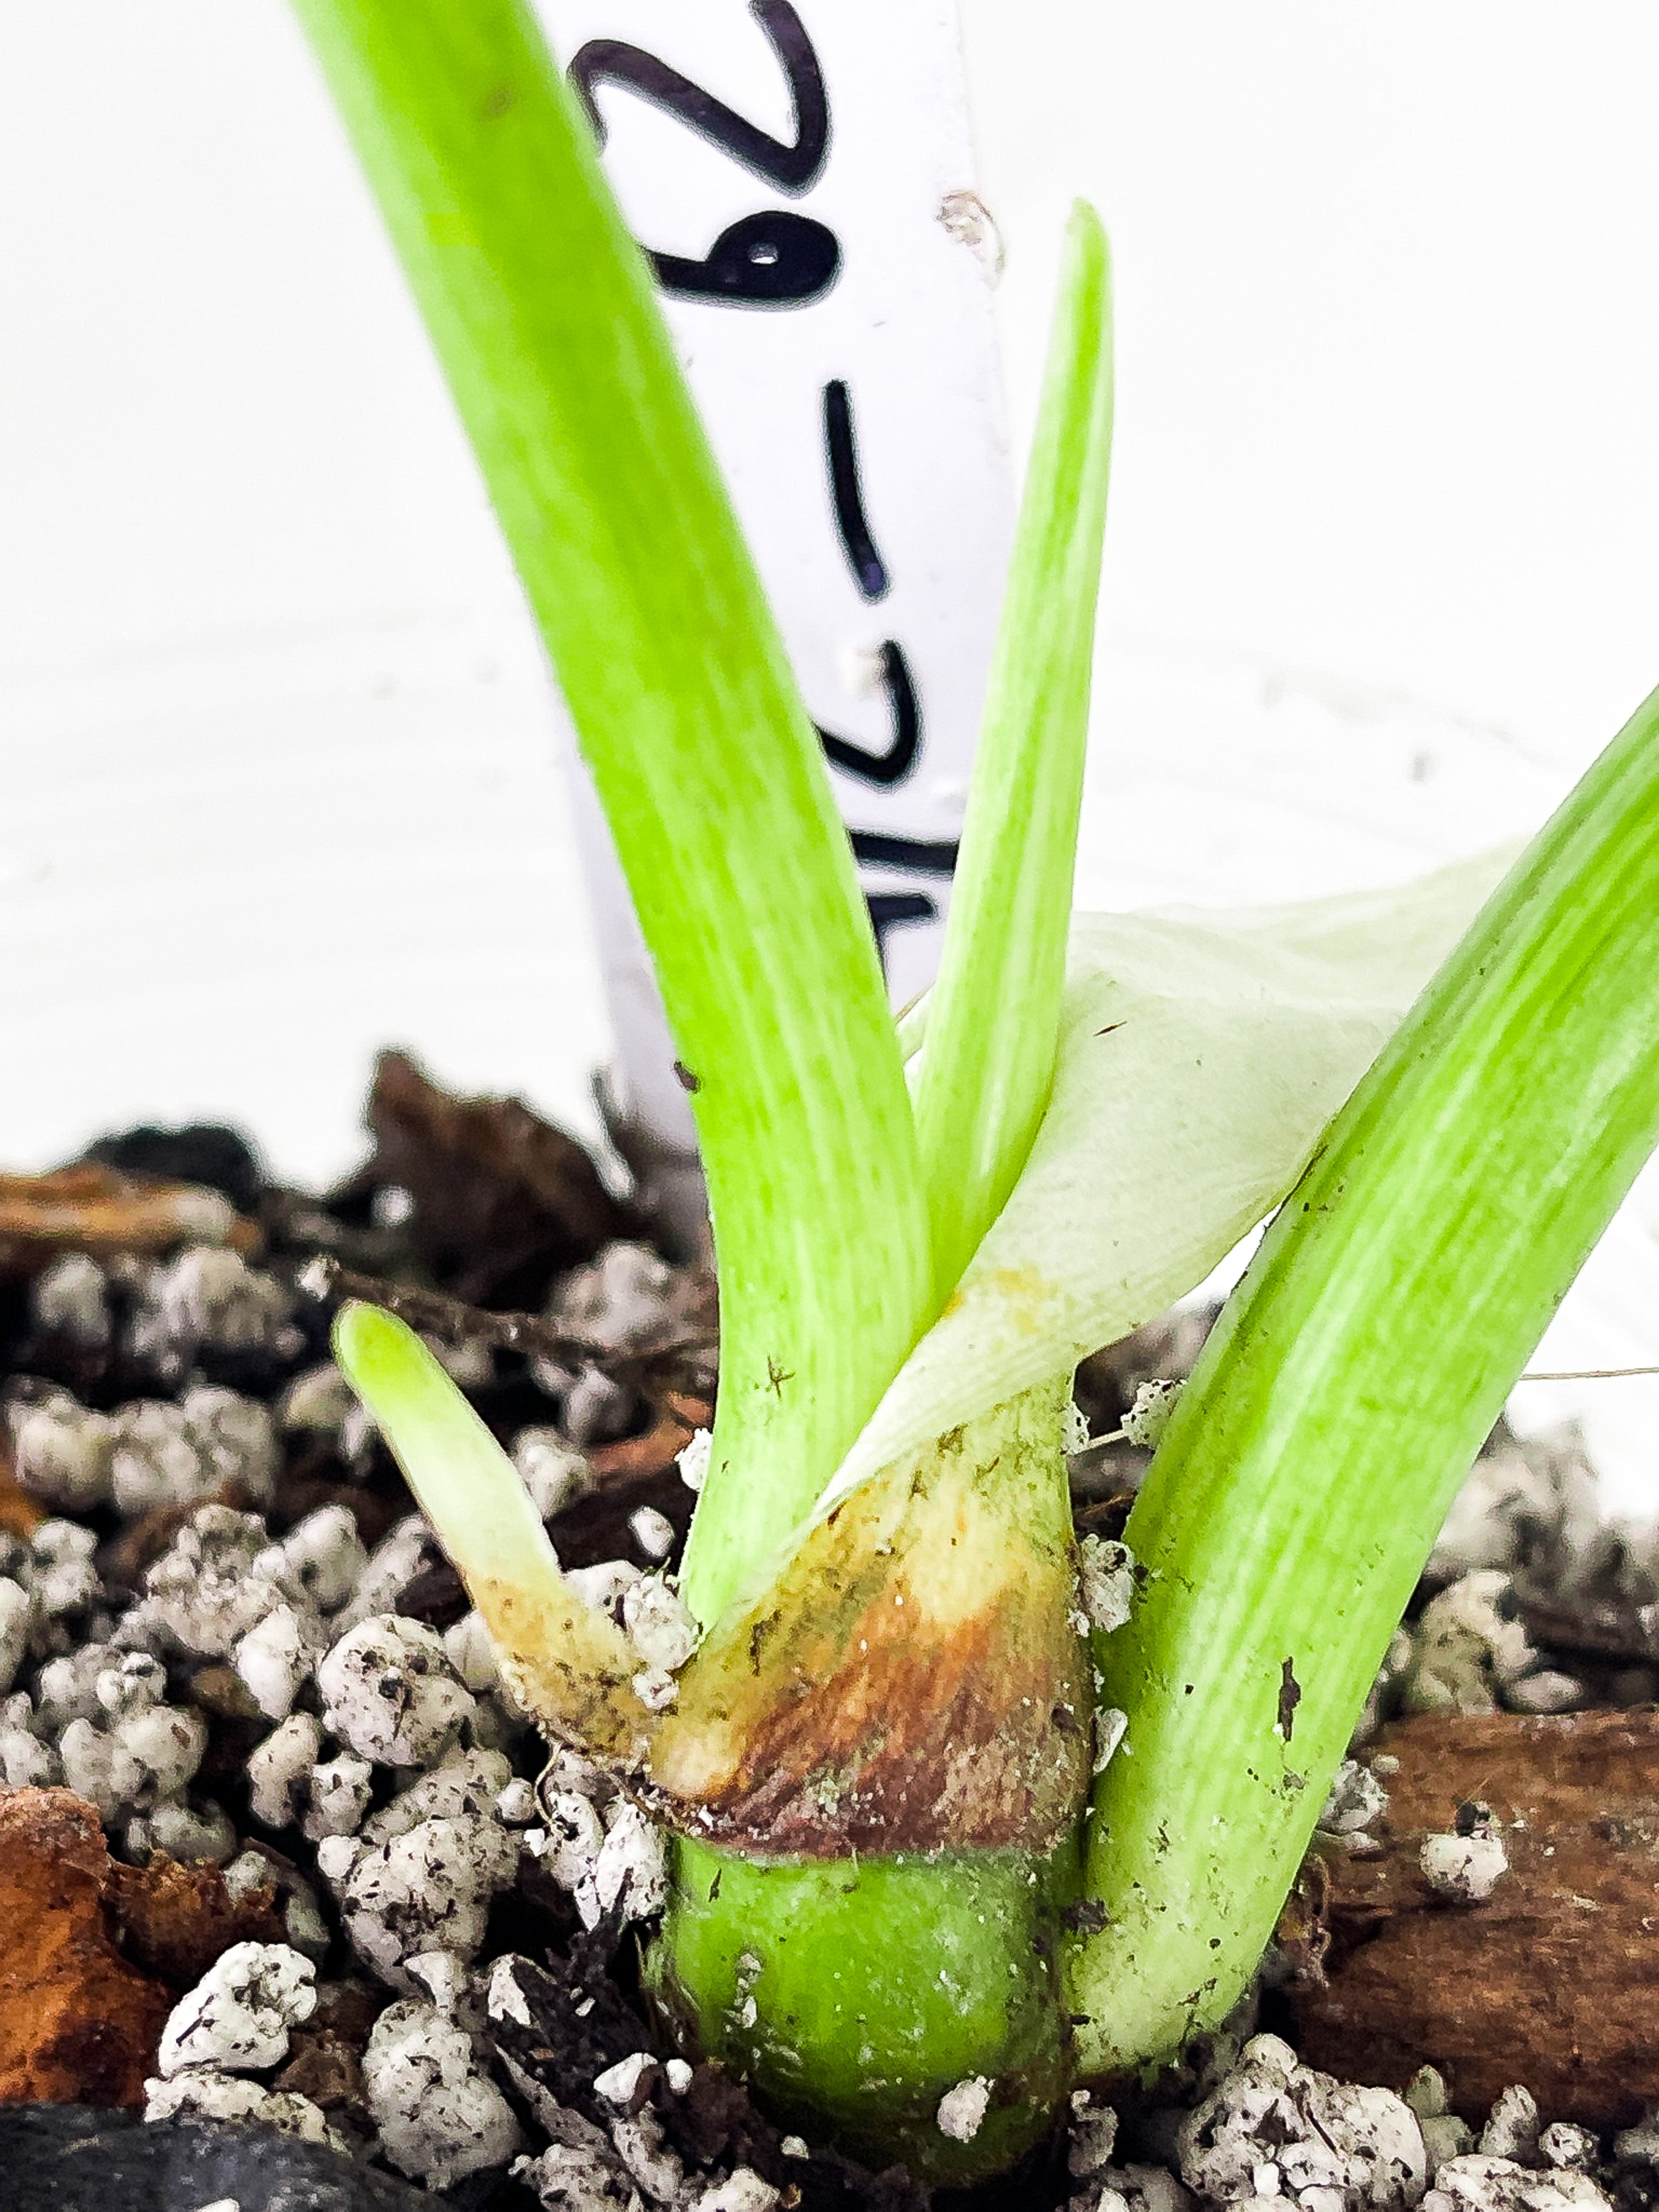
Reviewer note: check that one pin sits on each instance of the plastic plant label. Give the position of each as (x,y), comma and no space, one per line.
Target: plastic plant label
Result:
(801,175)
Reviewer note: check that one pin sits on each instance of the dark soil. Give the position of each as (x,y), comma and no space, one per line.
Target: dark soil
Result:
(469,1216)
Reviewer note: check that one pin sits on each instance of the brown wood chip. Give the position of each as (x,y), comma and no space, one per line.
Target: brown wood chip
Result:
(1553,1982)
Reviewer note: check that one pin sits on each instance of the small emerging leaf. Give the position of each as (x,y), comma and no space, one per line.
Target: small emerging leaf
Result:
(1200,1056)
(990,1060)
(570,1667)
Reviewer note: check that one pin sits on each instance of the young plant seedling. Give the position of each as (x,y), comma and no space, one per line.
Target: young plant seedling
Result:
(905,1744)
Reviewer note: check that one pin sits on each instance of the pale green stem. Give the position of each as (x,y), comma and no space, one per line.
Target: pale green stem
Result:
(542,312)
(1339,1402)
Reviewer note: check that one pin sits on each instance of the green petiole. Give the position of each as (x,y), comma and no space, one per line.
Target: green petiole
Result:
(1341,1398)
(708,767)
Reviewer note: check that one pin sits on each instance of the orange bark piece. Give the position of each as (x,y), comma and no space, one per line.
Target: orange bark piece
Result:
(88,1207)
(20,1514)
(78,2025)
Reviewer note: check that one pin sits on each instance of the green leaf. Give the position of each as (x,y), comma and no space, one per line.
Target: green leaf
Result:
(542,312)
(1344,1394)
(1200,1056)
(995,1009)
(570,1667)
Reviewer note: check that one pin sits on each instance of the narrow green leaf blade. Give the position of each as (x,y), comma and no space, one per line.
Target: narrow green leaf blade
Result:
(1344,1395)
(540,307)
(1200,1056)
(571,1667)
(994,1011)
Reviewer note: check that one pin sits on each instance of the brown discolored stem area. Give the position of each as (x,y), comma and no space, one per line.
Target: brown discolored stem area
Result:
(569,1668)
(913,1681)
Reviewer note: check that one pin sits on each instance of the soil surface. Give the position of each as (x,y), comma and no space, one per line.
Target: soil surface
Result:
(344,1956)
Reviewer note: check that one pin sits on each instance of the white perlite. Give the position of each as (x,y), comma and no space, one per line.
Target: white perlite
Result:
(1133,2189)
(144,1752)
(322,1559)
(570,1844)
(630,1875)
(617,2083)
(1465,1652)
(209,1296)
(16,1620)
(1357,1798)
(274,1660)
(580,2170)
(1275,2127)
(438,2116)
(59,1571)
(1500,2185)
(651,1531)
(168,1454)
(320,1402)
(617,1299)
(215,2096)
(393,1563)
(649,2158)
(468,1784)
(26,1763)
(183,1833)
(1092,2136)
(62,1451)
(1148,1417)
(472,1655)
(340,1790)
(278,1768)
(426,1889)
(207,1590)
(551,1469)
(69,1299)
(1641,2141)
(1512,2127)
(390,1692)
(236,2019)
(67,1689)
(614,1861)
(659,1622)
(603,1586)
(1564,2143)
(743,2190)
(1466,1868)
(962,2110)
(692,1459)
(1106,1583)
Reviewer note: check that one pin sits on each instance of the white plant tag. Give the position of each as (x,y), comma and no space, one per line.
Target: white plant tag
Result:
(802,175)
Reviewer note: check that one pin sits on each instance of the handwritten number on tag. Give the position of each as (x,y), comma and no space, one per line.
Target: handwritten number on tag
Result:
(869,570)
(774,260)
(896,764)
(928,856)
(778,258)
(792,168)
(889,909)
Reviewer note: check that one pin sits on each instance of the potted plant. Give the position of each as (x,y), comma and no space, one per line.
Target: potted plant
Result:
(963,1817)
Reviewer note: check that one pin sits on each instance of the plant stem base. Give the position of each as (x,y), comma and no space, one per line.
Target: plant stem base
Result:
(853,1994)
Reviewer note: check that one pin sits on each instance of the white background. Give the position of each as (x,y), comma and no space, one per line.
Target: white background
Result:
(1383,565)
